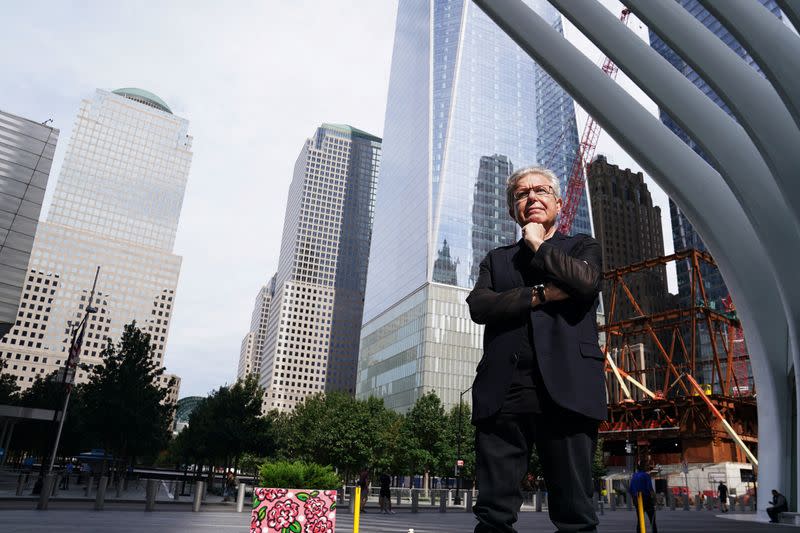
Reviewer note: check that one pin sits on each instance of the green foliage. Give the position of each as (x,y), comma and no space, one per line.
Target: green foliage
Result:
(298,475)
(125,411)
(9,389)
(599,468)
(425,437)
(225,425)
(467,439)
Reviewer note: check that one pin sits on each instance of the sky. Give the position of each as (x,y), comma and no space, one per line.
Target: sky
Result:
(254,79)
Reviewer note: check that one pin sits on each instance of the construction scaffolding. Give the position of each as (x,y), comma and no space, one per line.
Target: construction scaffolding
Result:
(678,379)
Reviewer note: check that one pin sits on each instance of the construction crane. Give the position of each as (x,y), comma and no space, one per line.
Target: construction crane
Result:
(586,149)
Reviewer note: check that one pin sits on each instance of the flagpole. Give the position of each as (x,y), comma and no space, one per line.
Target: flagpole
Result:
(69,368)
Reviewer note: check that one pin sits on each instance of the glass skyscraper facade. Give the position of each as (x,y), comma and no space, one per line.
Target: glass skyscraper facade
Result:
(466,107)
(312,334)
(116,205)
(26,155)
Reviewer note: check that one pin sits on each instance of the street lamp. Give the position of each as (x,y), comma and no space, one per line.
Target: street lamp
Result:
(457,499)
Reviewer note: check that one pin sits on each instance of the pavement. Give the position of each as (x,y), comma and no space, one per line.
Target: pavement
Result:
(133,520)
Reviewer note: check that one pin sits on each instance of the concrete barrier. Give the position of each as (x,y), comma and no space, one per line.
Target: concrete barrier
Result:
(199,489)
(240,498)
(100,500)
(47,490)
(150,491)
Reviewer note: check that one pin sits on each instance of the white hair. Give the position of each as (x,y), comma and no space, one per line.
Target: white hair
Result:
(511,184)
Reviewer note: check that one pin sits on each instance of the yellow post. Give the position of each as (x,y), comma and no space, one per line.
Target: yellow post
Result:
(356,509)
(640,510)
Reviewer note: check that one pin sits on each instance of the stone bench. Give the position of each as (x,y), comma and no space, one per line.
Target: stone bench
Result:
(789,518)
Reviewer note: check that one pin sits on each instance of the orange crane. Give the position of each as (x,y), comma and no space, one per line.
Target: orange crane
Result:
(586,149)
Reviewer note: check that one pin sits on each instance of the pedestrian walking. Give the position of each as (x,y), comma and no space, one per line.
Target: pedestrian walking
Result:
(642,483)
(385,496)
(363,483)
(722,492)
(229,486)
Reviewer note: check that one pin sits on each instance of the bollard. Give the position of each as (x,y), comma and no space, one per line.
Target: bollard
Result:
(442,503)
(100,500)
(433,497)
(731,503)
(357,510)
(198,496)
(612,501)
(20,485)
(538,501)
(672,502)
(686,502)
(44,495)
(628,500)
(602,510)
(596,499)
(56,486)
(699,504)
(176,493)
(399,495)
(240,498)
(414,501)
(150,491)
(468,507)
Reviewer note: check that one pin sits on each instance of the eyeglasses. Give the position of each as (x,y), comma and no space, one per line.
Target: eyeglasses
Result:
(540,191)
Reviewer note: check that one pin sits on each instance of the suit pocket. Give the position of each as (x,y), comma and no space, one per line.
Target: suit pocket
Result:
(591,350)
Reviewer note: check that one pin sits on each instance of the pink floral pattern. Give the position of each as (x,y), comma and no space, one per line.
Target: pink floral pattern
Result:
(270,494)
(293,511)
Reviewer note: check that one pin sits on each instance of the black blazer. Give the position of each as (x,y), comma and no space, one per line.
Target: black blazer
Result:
(564,332)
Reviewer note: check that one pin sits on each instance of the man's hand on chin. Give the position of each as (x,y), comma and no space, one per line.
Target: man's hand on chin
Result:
(533,233)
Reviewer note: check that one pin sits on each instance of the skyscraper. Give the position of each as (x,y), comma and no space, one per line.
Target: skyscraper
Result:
(456,127)
(26,154)
(116,205)
(253,342)
(628,226)
(312,336)
(683,233)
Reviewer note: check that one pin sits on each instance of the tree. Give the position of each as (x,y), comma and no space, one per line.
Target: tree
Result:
(9,389)
(425,436)
(125,408)
(467,438)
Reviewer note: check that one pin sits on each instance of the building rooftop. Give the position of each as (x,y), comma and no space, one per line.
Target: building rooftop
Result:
(352,131)
(144,97)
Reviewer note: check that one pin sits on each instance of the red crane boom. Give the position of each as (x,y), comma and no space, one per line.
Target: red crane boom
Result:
(586,149)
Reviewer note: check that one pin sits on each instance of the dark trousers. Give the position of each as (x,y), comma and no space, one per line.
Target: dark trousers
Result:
(649,510)
(773,512)
(565,443)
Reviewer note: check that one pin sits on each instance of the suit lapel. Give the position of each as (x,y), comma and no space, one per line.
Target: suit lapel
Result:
(516,263)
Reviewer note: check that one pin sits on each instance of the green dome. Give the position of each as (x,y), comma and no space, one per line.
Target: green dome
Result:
(144,97)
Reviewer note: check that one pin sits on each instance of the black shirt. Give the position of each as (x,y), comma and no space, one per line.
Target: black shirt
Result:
(526,390)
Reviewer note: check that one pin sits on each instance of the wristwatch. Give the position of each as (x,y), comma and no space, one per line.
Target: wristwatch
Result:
(540,292)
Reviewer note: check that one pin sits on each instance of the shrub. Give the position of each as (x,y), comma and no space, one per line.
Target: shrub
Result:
(298,475)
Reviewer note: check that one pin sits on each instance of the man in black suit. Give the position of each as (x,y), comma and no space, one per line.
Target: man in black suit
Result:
(540,380)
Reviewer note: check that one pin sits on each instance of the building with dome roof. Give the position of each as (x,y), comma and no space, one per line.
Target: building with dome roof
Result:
(116,206)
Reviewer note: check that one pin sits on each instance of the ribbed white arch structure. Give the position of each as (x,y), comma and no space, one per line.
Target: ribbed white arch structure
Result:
(746,203)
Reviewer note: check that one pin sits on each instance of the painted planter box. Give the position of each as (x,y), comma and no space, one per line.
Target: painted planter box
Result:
(293,511)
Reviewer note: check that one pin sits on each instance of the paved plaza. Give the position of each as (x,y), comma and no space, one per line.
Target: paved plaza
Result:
(119,519)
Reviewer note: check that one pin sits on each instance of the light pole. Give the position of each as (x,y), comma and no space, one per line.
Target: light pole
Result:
(70,364)
(457,499)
